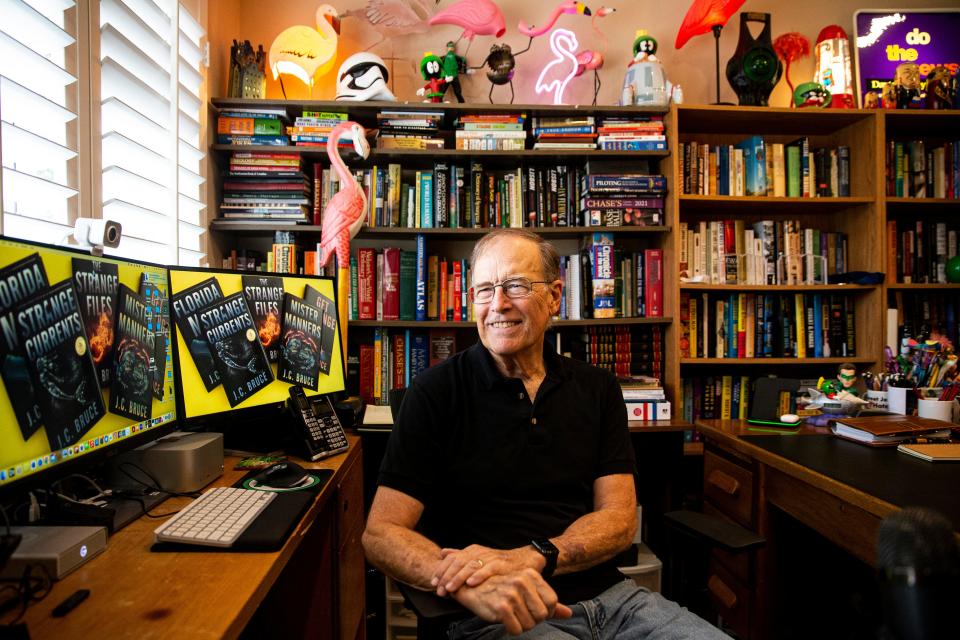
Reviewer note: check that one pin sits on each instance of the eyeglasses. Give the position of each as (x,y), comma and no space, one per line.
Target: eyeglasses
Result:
(513,288)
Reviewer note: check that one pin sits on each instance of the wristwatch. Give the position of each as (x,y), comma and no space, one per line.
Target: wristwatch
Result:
(549,551)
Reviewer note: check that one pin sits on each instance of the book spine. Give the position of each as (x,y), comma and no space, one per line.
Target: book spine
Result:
(421,278)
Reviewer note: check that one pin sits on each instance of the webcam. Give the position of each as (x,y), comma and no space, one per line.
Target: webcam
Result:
(94,234)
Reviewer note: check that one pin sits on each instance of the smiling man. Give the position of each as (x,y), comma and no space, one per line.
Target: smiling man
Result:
(508,480)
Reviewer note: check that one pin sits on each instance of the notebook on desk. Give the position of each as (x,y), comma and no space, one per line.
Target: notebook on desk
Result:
(888,430)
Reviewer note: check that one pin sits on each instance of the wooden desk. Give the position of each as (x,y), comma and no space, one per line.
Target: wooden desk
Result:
(313,586)
(841,490)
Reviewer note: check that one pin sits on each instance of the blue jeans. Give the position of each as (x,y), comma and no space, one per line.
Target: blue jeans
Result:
(624,611)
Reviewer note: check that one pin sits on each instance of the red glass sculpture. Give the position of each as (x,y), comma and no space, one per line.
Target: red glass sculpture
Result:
(704,16)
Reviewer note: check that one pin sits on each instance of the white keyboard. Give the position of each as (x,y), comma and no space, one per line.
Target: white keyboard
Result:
(216,519)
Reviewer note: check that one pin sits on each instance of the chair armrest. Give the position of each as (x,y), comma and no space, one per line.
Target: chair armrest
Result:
(714,530)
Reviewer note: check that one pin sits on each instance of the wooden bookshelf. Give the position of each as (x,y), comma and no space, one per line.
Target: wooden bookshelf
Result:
(773,288)
(260,227)
(777,361)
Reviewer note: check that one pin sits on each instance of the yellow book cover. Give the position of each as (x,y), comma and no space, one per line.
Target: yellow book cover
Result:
(433,284)
(726,397)
(694,330)
(744,397)
(799,314)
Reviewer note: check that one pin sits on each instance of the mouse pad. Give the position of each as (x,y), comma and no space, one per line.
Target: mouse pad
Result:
(271,528)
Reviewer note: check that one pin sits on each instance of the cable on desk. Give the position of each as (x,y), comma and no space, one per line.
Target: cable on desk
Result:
(26,589)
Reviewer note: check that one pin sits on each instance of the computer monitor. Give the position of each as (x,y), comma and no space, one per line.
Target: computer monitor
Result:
(241,339)
(85,360)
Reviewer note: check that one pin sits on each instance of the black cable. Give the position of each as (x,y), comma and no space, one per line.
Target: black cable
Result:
(156,485)
(28,588)
(5,518)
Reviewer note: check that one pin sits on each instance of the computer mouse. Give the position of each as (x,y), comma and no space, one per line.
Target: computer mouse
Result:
(281,475)
(790,418)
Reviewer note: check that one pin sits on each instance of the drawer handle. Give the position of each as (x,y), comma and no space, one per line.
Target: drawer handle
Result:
(722,592)
(346,505)
(726,483)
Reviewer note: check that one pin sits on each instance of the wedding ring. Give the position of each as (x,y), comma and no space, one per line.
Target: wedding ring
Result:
(479,563)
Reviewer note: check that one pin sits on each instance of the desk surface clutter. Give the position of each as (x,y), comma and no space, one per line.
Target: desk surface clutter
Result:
(208,594)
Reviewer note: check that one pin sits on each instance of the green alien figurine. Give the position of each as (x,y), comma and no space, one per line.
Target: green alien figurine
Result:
(430,69)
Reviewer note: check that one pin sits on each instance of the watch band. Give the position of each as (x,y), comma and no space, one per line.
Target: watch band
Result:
(550,552)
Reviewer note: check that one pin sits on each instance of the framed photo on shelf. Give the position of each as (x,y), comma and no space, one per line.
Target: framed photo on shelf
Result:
(885,38)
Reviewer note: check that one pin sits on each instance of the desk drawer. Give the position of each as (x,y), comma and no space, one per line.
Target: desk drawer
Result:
(730,598)
(350,500)
(728,486)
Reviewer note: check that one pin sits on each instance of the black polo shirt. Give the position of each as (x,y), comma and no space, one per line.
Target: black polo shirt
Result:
(492,468)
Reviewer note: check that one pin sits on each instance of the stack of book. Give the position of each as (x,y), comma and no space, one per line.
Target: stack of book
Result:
(637,133)
(266,186)
(410,130)
(572,132)
(491,132)
(621,199)
(313,128)
(644,398)
(252,127)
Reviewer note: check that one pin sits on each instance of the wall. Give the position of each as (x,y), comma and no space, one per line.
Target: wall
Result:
(692,67)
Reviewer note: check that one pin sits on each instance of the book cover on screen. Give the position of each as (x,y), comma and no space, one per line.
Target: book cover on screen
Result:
(158,324)
(96,283)
(329,321)
(264,295)
(58,359)
(19,281)
(186,314)
(302,337)
(237,351)
(131,388)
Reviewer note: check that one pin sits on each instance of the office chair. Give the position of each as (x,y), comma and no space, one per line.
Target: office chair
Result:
(690,538)
(434,614)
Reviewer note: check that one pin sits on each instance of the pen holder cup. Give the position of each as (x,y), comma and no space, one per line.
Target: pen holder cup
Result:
(936,409)
(897,399)
(877,399)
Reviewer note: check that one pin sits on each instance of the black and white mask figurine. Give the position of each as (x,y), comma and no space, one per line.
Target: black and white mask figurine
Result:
(363,76)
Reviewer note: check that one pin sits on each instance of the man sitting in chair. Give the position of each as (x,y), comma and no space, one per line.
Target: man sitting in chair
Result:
(507,483)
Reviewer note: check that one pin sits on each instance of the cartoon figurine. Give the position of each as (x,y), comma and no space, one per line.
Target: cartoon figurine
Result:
(502,65)
(906,86)
(940,88)
(871,100)
(844,386)
(431,70)
(811,94)
(888,96)
(645,82)
(453,66)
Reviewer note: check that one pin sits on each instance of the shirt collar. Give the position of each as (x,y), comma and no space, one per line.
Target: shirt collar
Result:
(479,356)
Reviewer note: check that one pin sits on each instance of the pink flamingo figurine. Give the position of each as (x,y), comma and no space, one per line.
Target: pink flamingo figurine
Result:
(477,17)
(592,60)
(568,6)
(344,215)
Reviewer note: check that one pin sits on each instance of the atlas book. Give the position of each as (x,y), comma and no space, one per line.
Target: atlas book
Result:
(131,389)
(58,359)
(96,284)
(302,337)
(19,281)
(329,310)
(264,296)
(158,323)
(187,305)
(237,350)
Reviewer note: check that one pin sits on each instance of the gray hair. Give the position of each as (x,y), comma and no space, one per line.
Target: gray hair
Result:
(549,258)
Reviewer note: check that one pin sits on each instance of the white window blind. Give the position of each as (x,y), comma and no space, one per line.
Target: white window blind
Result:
(38,118)
(151,82)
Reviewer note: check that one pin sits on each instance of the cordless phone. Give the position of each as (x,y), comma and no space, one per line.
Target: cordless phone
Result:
(322,434)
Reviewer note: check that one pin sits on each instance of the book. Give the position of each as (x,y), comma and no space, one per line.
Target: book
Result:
(329,321)
(932,452)
(59,364)
(19,281)
(186,307)
(264,296)
(237,351)
(302,336)
(158,324)
(890,429)
(96,285)
(131,383)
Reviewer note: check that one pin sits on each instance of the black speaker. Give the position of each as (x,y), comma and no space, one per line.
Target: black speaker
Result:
(754,69)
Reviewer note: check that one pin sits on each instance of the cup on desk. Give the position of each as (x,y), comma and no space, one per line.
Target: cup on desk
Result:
(897,399)
(877,399)
(936,409)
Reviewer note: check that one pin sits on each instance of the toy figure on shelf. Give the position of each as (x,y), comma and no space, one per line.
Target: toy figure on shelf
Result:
(811,94)
(906,86)
(645,83)
(502,64)
(871,100)
(888,96)
(432,71)
(363,76)
(453,66)
(940,89)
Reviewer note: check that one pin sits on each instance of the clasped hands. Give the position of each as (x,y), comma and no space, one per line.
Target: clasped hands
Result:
(498,586)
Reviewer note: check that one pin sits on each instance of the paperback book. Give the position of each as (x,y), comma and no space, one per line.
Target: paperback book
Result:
(264,295)
(187,305)
(96,284)
(329,321)
(132,383)
(237,351)
(302,337)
